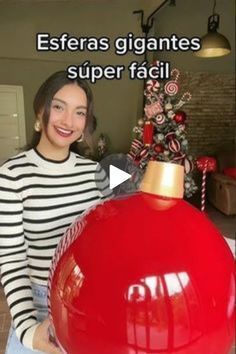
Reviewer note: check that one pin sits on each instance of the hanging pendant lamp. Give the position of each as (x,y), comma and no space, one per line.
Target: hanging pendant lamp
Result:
(213,44)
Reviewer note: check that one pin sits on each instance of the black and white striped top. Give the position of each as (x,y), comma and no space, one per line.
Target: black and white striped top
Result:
(39,199)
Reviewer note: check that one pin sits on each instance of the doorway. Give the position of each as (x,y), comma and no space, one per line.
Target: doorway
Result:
(12,121)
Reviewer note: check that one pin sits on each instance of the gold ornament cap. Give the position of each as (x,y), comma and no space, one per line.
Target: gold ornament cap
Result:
(164,179)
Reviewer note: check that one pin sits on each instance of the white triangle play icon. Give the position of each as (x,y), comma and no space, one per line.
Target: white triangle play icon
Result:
(117,176)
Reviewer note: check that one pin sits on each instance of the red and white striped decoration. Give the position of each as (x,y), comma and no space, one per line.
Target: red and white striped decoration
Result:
(170,136)
(171,88)
(69,237)
(179,157)
(160,119)
(136,144)
(203,196)
(144,153)
(152,85)
(174,145)
(185,98)
(188,165)
(131,155)
(205,164)
(143,156)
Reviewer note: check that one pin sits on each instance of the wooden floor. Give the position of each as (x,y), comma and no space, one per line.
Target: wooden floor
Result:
(225,224)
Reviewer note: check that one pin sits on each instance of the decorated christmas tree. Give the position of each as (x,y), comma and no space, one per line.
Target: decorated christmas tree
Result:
(161,135)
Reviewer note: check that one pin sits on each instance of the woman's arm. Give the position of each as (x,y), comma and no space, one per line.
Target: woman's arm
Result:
(102,183)
(13,259)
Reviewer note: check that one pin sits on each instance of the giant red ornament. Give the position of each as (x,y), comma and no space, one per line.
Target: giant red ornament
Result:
(180,117)
(143,274)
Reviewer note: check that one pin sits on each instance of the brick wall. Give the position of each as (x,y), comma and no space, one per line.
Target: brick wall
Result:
(211,112)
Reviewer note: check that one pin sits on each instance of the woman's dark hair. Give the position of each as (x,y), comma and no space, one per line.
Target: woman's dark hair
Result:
(43,99)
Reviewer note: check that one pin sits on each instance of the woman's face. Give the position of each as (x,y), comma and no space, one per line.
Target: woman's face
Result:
(67,117)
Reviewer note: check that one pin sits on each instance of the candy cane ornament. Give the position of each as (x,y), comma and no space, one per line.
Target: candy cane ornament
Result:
(205,164)
(184,99)
(203,196)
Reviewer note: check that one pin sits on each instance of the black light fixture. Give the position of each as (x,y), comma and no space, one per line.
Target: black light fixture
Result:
(150,20)
(148,25)
(172,3)
(213,44)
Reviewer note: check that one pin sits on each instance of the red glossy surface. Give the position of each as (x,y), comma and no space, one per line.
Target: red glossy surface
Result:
(146,275)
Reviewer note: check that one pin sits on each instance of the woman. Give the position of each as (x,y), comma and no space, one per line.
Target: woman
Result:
(41,191)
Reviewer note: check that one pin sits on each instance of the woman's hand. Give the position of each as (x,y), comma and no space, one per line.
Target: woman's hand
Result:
(41,339)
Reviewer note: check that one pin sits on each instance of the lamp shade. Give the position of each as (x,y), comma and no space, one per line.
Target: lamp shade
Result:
(213,44)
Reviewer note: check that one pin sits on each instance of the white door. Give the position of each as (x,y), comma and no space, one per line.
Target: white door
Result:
(12,121)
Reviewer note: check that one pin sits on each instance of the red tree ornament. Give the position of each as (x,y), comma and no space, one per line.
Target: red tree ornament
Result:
(179,157)
(126,278)
(136,147)
(170,136)
(160,119)
(180,117)
(152,85)
(148,133)
(174,145)
(144,153)
(159,148)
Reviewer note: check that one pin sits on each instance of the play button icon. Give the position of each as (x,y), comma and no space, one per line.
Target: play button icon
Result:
(117,176)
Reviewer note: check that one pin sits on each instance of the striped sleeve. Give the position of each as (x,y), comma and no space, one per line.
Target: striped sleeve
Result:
(13,260)
(102,183)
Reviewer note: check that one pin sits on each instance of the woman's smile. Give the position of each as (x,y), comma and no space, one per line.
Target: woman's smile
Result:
(64,132)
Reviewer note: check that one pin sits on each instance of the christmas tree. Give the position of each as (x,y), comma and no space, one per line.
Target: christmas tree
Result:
(162,134)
